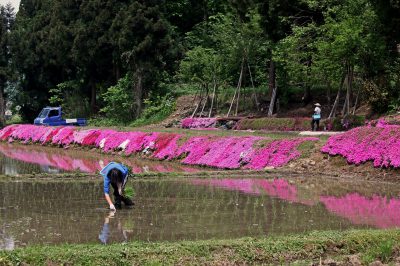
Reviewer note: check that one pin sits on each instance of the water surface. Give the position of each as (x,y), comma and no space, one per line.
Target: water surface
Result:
(189,209)
(16,159)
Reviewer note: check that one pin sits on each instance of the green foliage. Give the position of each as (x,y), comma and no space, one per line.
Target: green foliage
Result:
(312,43)
(129,192)
(155,110)
(201,65)
(344,123)
(118,101)
(68,96)
(382,251)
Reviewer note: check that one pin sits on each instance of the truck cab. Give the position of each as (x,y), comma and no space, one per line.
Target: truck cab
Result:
(52,116)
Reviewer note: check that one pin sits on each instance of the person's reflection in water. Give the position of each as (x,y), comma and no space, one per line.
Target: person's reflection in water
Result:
(105,232)
(6,242)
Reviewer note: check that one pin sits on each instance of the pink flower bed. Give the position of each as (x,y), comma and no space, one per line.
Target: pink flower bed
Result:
(199,123)
(220,152)
(380,144)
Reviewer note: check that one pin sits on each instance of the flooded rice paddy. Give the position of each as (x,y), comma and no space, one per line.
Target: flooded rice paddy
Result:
(56,212)
(188,209)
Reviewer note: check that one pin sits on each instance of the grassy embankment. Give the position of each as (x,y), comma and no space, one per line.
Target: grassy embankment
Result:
(369,245)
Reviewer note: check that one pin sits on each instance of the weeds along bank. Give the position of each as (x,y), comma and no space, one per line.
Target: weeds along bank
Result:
(246,152)
(358,247)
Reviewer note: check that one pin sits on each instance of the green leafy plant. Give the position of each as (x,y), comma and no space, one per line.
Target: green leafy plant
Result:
(156,110)
(129,192)
(69,97)
(119,102)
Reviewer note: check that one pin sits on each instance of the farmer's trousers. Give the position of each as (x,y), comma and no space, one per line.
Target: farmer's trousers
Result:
(315,121)
(120,198)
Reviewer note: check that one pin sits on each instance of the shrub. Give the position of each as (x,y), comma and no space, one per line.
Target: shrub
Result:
(156,110)
(275,124)
(344,123)
(119,102)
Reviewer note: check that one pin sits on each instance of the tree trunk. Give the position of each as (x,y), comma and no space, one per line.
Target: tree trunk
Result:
(272,78)
(93,94)
(307,98)
(138,92)
(2,108)
(213,98)
(336,103)
(206,101)
(236,91)
(328,93)
(199,102)
(272,103)
(254,89)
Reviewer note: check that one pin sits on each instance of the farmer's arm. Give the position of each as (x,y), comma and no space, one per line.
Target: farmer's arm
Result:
(108,199)
(106,187)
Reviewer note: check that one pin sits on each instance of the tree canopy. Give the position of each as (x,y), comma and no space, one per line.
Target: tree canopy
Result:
(59,51)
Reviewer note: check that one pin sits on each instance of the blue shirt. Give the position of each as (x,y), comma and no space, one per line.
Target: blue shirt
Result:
(104,172)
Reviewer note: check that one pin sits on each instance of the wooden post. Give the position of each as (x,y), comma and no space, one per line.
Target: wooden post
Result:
(254,89)
(335,104)
(236,91)
(272,103)
(213,97)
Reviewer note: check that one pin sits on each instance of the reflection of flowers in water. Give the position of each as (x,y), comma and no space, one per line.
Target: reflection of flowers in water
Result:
(377,211)
(279,188)
(72,162)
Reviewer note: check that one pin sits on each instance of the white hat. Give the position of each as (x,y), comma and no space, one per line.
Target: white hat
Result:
(317,104)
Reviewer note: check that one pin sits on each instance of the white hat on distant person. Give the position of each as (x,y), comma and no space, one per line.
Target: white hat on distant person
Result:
(317,104)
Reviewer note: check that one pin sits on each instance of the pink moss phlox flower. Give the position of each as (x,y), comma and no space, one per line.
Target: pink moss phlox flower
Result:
(114,140)
(64,136)
(103,135)
(229,152)
(219,152)
(166,146)
(194,149)
(276,153)
(86,137)
(135,143)
(7,131)
(48,136)
(199,123)
(380,144)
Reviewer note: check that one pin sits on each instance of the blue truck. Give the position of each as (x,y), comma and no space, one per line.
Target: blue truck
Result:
(52,116)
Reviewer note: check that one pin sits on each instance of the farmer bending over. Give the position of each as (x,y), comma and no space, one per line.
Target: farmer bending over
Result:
(116,175)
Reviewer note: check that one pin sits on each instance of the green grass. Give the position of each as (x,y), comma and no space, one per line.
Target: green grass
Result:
(190,132)
(275,124)
(370,245)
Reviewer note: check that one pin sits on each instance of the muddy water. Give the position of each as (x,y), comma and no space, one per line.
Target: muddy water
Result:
(189,209)
(18,159)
